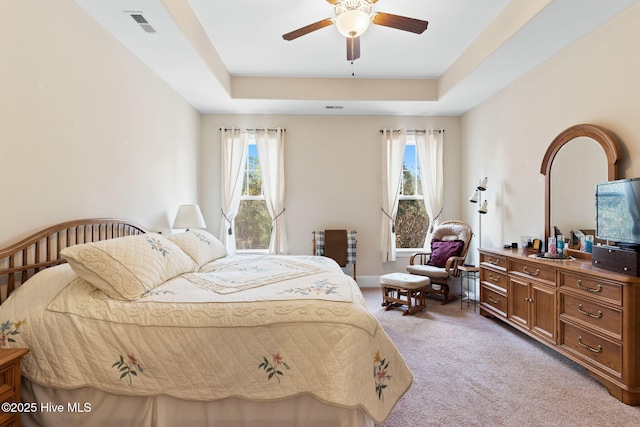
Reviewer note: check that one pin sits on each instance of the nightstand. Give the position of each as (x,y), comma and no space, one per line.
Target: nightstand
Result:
(10,382)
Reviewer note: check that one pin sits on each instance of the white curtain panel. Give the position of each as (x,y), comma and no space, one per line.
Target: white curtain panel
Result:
(271,156)
(234,156)
(430,154)
(393,144)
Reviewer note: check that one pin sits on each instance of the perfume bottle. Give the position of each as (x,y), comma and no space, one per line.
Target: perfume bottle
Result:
(588,244)
(560,245)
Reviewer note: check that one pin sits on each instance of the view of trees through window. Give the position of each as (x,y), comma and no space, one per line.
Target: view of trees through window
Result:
(412,220)
(253,222)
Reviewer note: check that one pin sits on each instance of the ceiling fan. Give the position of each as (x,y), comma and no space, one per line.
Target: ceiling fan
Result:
(353,18)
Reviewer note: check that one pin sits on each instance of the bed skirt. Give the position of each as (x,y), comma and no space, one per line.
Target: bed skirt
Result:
(87,406)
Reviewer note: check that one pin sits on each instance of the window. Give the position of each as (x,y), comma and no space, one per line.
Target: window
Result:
(253,222)
(412,221)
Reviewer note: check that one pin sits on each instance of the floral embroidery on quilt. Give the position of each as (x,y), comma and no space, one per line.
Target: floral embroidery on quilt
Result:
(273,368)
(154,292)
(321,287)
(380,374)
(127,368)
(157,245)
(8,330)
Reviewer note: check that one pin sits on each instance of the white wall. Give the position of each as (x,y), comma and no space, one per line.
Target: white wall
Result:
(333,176)
(593,81)
(87,130)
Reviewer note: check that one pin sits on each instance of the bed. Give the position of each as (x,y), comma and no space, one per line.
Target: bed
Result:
(127,327)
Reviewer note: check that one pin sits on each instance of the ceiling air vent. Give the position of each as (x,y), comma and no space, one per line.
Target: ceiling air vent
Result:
(142,21)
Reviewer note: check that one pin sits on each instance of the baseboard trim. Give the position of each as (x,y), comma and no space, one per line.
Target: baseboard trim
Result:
(368,281)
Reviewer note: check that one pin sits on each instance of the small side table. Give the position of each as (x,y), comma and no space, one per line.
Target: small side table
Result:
(469,273)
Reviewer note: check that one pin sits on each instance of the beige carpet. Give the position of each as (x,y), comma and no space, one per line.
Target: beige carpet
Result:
(472,371)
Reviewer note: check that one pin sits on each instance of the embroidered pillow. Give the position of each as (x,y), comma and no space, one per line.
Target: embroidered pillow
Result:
(442,250)
(127,267)
(201,246)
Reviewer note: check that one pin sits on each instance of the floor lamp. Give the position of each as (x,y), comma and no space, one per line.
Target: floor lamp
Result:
(476,197)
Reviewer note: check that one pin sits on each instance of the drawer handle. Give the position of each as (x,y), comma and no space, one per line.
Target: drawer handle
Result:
(595,350)
(531,273)
(594,290)
(586,313)
(494,262)
(495,279)
(495,301)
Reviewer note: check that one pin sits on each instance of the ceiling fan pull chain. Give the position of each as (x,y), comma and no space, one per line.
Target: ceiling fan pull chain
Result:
(353,71)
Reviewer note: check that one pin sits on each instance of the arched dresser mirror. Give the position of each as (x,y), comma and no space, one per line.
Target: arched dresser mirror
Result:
(577,159)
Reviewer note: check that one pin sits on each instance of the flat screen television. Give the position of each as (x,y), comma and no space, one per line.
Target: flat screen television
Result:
(618,212)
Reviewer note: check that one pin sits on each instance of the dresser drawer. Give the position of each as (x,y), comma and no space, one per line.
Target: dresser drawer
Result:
(605,291)
(605,353)
(493,301)
(533,271)
(10,382)
(7,392)
(582,311)
(7,380)
(499,280)
(6,416)
(495,261)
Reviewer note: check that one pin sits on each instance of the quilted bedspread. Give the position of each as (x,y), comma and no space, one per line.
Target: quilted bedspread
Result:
(255,327)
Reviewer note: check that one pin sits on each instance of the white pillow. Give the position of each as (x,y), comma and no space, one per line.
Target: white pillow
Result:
(127,267)
(200,245)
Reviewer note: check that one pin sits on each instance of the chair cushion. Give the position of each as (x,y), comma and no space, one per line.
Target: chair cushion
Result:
(441,251)
(451,231)
(407,281)
(428,270)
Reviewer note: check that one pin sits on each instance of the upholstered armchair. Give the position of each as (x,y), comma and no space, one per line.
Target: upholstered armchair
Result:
(449,246)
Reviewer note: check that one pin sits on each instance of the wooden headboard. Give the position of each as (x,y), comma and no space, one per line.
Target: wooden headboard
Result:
(22,260)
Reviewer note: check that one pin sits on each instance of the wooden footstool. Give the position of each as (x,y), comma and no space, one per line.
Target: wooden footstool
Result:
(404,289)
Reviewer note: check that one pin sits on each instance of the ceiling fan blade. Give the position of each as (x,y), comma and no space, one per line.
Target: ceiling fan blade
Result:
(308,29)
(400,22)
(353,48)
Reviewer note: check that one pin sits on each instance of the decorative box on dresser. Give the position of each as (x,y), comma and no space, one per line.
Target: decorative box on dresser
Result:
(590,315)
(10,384)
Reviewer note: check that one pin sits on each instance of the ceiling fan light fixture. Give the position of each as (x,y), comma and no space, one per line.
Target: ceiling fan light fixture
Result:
(353,22)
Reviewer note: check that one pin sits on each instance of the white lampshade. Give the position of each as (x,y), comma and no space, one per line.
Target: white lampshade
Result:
(483,208)
(353,23)
(482,186)
(189,216)
(475,196)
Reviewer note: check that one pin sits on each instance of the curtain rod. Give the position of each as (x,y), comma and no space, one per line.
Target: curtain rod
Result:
(254,130)
(414,130)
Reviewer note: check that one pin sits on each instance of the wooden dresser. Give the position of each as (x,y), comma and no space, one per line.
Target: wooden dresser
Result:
(588,314)
(10,383)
